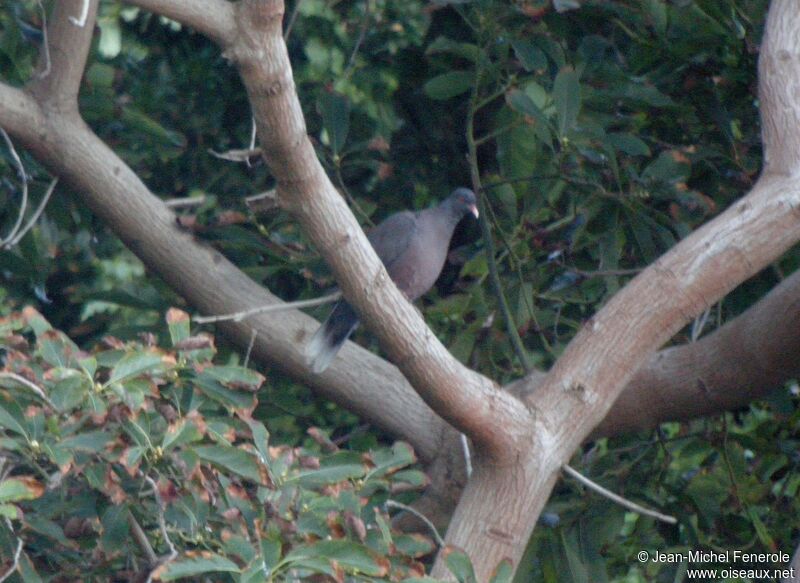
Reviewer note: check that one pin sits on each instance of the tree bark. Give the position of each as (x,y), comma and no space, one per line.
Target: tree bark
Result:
(521,442)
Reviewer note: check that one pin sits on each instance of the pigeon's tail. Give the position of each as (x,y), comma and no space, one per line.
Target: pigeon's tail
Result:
(330,337)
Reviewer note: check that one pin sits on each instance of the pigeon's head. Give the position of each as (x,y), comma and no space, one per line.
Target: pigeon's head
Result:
(462,201)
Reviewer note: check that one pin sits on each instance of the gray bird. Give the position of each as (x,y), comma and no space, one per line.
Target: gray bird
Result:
(413,248)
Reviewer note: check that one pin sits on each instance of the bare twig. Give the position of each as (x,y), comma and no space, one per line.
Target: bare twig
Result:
(351,64)
(17,554)
(253,336)
(80,22)
(422,517)
(239,155)
(24,178)
(467,454)
(45,43)
(163,526)
(262,202)
(35,217)
(184,202)
(239,316)
(28,384)
(253,132)
(606,272)
(290,24)
(616,497)
(141,539)
(700,323)
(486,230)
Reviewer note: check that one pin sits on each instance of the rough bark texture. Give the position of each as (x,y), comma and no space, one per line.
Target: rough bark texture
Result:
(521,442)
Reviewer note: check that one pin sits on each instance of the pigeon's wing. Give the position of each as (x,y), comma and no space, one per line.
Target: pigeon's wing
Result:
(392,238)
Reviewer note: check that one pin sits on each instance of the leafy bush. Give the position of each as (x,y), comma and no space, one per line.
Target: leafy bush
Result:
(131,452)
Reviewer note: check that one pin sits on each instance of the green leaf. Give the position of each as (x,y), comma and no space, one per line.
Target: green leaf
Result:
(459,564)
(236,377)
(335,111)
(179,433)
(628,144)
(91,441)
(20,488)
(194,566)
(57,349)
(179,325)
(116,529)
(519,101)
(443,44)
(271,552)
(260,439)
(13,422)
(503,573)
(134,364)
(215,390)
(567,98)
(350,555)
(328,475)
(531,57)
(449,85)
(414,545)
(232,459)
(141,122)
(70,392)
(761,529)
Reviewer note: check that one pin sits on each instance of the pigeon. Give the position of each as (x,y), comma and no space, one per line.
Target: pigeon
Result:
(413,248)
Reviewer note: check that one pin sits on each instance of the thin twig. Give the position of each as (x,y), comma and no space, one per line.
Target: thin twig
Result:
(45,43)
(422,517)
(353,202)
(616,497)
(35,217)
(486,231)
(17,555)
(289,25)
(700,323)
(606,272)
(494,133)
(185,202)
(253,334)
(239,316)
(351,64)
(253,131)
(163,526)
(141,539)
(467,455)
(240,155)
(24,178)
(80,22)
(25,382)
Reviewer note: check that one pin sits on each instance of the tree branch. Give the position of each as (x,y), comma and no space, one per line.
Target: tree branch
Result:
(470,402)
(213,18)
(744,360)
(19,113)
(68,47)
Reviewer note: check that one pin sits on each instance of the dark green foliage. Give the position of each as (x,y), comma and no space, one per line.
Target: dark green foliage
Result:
(604,135)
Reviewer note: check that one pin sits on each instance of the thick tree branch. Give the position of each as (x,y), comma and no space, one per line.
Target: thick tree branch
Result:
(469,401)
(19,112)
(744,360)
(213,18)
(68,49)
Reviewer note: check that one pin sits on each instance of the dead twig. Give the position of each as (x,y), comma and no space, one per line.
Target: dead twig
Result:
(616,497)
(239,316)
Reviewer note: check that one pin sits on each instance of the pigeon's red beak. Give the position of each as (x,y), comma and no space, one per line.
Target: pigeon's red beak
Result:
(474,210)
